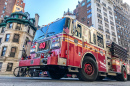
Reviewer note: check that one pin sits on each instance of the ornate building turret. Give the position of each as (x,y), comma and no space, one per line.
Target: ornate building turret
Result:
(20,29)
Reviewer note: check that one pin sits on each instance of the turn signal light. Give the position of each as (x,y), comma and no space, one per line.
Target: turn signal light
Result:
(33,46)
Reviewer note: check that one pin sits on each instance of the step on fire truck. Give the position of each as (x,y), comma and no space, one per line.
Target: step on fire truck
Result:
(67,46)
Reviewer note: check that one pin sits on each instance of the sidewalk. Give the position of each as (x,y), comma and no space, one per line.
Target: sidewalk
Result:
(7,76)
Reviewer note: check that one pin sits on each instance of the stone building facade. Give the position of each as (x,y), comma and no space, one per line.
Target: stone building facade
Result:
(18,29)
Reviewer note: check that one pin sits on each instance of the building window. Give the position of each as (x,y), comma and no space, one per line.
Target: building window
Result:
(33,33)
(16,38)
(9,67)
(12,53)
(20,16)
(3,51)
(98,15)
(105,19)
(88,22)
(1,16)
(7,37)
(107,36)
(116,17)
(109,8)
(89,16)
(28,29)
(106,25)
(88,1)
(98,1)
(5,3)
(3,11)
(119,36)
(99,21)
(3,30)
(98,10)
(105,14)
(107,31)
(114,39)
(110,12)
(83,4)
(104,4)
(112,27)
(4,7)
(89,5)
(0,65)
(18,26)
(89,11)
(100,27)
(98,5)
(10,25)
(111,18)
(113,33)
(111,23)
(104,9)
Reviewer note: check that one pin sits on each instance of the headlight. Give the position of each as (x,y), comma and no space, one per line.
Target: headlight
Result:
(32,50)
(55,45)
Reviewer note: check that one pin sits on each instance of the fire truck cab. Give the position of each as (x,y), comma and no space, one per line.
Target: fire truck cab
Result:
(67,46)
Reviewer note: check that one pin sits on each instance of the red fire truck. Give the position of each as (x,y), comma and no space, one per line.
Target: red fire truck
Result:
(67,46)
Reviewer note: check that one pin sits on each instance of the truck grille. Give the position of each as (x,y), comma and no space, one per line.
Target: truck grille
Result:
(47,46)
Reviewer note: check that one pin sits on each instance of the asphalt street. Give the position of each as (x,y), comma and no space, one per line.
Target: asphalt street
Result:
(44,81)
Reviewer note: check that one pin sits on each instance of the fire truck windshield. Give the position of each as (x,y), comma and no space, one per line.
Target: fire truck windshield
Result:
(52,29)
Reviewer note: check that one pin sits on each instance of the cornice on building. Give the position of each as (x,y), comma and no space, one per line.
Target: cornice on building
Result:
(14,17)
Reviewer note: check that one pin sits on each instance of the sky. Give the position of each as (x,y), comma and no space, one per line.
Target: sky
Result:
(50,10)
(127,1)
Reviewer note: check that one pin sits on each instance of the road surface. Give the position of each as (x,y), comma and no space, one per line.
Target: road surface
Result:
(44,81)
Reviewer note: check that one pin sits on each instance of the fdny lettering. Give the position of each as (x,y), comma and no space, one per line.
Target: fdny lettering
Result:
(42,45)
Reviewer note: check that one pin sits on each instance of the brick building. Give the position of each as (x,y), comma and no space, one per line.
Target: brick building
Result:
(9,6)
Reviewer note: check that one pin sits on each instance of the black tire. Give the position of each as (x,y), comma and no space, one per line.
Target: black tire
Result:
(123,76)
(100,78)
(91,68)
(128,77)
(55,75)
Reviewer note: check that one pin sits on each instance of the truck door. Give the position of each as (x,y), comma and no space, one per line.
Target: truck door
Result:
(74,44)
(77,51)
